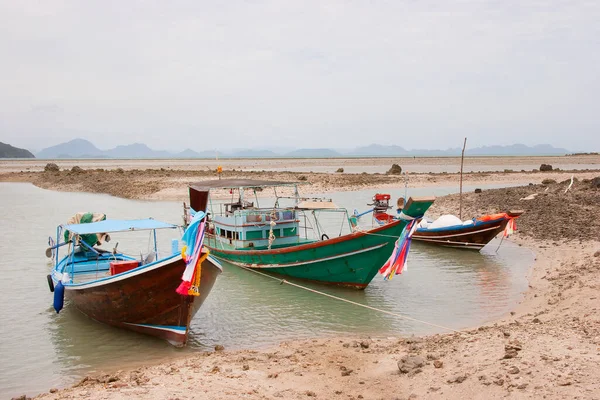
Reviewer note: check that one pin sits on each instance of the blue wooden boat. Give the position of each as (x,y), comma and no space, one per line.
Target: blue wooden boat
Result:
(117,289)
(470,235)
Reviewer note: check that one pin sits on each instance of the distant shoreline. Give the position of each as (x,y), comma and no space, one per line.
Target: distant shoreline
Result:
(341,157)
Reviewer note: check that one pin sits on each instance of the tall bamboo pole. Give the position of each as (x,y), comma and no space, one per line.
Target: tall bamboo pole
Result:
(462,160)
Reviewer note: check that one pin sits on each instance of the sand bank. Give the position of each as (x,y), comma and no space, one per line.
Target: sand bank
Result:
(172,184)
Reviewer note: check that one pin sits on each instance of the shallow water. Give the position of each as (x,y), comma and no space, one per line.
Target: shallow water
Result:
(446,287)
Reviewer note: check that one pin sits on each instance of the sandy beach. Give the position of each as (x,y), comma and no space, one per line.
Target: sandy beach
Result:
(547,347)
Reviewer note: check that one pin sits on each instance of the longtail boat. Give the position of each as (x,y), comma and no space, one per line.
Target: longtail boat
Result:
(124,291)
(292,240)
(472,234)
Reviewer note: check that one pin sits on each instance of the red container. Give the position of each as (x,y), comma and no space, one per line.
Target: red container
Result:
(118,267)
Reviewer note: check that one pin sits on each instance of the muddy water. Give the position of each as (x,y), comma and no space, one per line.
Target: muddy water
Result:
(446,287)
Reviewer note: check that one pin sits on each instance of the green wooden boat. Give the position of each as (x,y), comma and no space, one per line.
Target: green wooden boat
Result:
(291,240)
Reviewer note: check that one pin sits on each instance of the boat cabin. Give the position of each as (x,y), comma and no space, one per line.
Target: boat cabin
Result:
(244,225)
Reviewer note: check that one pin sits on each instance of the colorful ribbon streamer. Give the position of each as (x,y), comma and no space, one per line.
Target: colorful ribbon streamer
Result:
(396,264)
(511,227)
(191,254)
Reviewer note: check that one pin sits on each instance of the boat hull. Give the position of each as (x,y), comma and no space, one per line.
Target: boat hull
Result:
(351,260)
(144,299)
(469,237)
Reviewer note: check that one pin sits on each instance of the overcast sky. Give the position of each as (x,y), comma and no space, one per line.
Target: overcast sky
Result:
(264,74)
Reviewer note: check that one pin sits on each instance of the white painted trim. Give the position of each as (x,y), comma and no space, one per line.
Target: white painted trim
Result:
(120,277)
(417,236)
(160,328)
(451,244)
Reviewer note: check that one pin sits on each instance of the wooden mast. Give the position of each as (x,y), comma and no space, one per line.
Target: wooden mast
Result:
(462,160)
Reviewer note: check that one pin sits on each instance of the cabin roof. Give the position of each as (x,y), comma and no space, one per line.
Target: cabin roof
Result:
(240,183)
(118,225)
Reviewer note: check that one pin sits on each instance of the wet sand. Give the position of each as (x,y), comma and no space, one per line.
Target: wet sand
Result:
(549,346)
(149,180)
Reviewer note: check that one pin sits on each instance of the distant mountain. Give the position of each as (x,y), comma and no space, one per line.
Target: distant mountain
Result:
(76,148)
(8,151)
(80,148)
(189,153)
(517,150)
(378,150)
(250,153)
(313,153)
(136,150)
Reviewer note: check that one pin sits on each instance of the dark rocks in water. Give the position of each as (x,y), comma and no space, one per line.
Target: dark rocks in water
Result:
(545,167)
(548,182)
(395,170)
(340,170)
(51,167)
(478,190)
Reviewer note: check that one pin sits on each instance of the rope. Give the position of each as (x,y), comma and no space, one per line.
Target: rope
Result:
(272,224)
(282,281)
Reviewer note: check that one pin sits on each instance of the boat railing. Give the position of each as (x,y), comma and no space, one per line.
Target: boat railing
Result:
(263,215)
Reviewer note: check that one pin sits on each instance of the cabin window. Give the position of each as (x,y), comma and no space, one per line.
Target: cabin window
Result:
(287,215)
(275,217)
(254,218)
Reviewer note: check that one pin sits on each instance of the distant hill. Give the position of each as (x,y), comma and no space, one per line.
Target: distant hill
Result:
(8,151)
(314,153)
(136,150)
(250,153)
(80,148)
(76,148)
(378,150)
(517,150)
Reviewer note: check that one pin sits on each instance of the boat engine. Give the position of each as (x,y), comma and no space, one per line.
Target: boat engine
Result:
(381,203)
